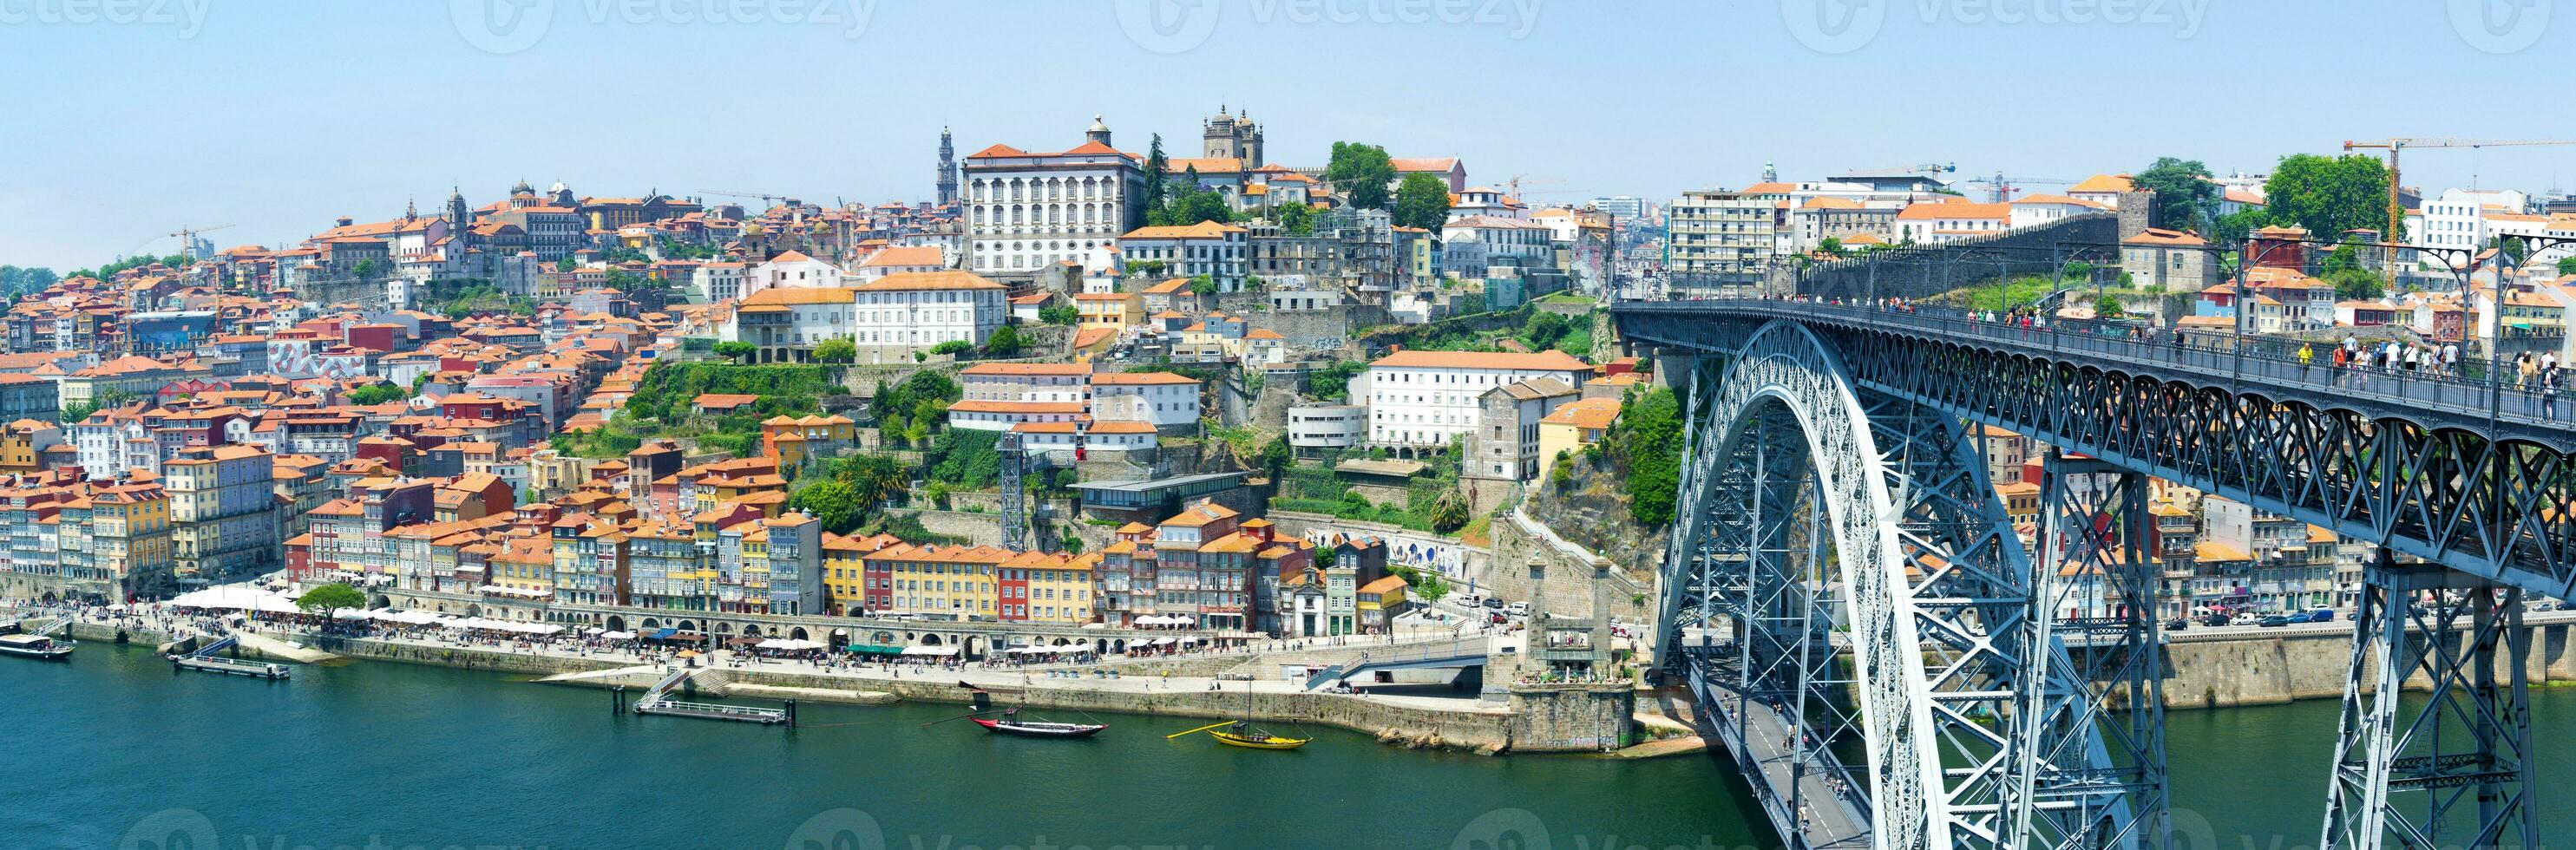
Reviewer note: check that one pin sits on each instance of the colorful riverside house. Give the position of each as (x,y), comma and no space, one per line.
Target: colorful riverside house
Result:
(589,561)
(849,589)
(663,561)
(1379,602)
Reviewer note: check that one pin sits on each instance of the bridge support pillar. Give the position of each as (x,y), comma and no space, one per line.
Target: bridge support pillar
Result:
(2095,594)
(2452,769)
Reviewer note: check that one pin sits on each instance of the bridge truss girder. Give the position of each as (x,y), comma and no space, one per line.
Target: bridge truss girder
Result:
(2503,510)
(2462,753)
(1978,729)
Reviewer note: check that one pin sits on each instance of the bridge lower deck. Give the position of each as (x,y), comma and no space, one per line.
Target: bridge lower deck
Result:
(1793,781)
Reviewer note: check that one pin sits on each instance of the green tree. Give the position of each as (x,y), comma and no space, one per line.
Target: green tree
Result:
(1422,201)
(364,270)
(2234,227)
(2357,284)
(372,394)
(1004,342)
(954,346)
(2331,195)
(566,264)
(832,503)
(740,352)
(1155,168)
(2183,191)
(78,410)
(1361,172)
(1061,314)
(1649,435)
(329,598)
(1276,457)
(2567,266)
(1297,219)
(1832,247)
(838,349)
(1202,285)
(1333,382)
(2107,307)
(1449,512)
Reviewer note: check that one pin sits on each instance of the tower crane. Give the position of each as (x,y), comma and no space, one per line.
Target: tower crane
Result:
(1518,179)
(764,197)
(2397,208)
(2004,188)
(188,236)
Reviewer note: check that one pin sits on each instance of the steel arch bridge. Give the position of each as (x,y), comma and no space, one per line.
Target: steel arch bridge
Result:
(1890,668)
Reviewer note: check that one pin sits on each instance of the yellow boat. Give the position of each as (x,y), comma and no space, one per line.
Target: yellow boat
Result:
(1250,737)
(1240,734)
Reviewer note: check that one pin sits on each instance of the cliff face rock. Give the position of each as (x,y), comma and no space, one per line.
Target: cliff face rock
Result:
(1591,510)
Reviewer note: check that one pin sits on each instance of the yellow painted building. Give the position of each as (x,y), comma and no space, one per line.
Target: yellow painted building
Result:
(1572,426)
(1112,310)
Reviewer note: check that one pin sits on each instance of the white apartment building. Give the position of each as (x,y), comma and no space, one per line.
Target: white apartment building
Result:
(898,259)
(1469,245)
(791,270)
(1206,248)
(1047,382)
(2468,218)
(1951,221)
(1026,211)
(2036,210)
(1161,399)
(899,313)
(1723,234)
(1424,399)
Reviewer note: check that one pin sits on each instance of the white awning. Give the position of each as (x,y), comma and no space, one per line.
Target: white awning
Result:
(619,635)
(236,599)
(930,650)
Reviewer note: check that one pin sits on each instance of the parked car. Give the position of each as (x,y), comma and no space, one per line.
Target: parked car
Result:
(2320,615)
(2246,619)
(1493,602)
(1517,609)
(2215,621)
(2274,621)
(2178,624)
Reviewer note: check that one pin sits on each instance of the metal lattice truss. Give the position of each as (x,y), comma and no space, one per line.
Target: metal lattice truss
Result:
(1978,730)
(2448,769)
(2498,509)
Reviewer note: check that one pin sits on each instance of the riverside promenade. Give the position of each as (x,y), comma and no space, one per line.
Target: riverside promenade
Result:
(1259,680)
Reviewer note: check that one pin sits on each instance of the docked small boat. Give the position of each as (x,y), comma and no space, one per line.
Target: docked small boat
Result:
(36,646)
(1252,737)
(1011,724)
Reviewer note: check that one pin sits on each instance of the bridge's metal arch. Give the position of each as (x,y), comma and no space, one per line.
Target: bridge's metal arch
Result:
(1978,730)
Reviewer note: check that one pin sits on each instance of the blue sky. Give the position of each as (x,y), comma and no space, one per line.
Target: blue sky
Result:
(276,117)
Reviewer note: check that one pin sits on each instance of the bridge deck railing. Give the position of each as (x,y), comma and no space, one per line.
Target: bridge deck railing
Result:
(2462,391)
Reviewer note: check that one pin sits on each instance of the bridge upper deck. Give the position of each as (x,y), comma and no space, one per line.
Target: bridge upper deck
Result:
(2267,367)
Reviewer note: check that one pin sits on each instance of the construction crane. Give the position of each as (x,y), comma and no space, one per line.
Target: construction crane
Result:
(1937,168)
(1518,179)
(2004,188)
(188,236)
(764,197)
(2396,207)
